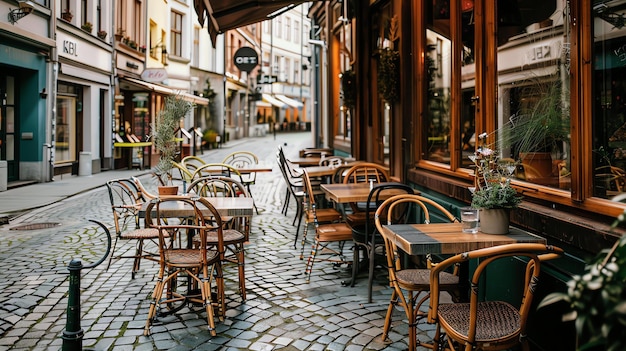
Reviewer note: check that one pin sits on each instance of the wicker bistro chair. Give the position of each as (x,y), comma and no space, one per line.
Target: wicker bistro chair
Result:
(362,173)
(487,325)
(325,234)
(295,188)
(191,163)
(200,264)
(242,159)
(217,169)
(236,230)
(409,284)
(126,201)
(313,211)
(364,236)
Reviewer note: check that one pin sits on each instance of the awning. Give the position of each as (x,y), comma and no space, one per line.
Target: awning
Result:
(162,90)
(198,100)
(291,102)
(145,85)
(263,104)
(273,101)
(223,15)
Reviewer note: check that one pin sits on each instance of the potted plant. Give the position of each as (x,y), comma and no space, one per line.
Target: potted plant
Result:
(538,130)
(492,192)
(348,88)
(119,35)
(87,27)
(596,299)
(67,15)
(164,136)
(102,34)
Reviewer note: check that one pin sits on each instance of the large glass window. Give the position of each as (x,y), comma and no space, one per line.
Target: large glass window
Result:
(609,105)
(437,64)
(533,75)
(65,136)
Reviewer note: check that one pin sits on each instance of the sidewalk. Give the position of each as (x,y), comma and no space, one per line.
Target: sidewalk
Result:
(15,201)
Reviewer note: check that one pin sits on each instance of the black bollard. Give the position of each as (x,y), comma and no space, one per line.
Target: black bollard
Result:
(73,333)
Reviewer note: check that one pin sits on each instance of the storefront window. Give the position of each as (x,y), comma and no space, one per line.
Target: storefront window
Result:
(438,67)
(609,92)
(65,137)
(533,123)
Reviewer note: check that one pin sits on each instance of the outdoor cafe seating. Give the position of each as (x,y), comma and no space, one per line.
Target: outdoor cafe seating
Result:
(482,324)
(126,200)
(410,285)
(236,230)
(187,273)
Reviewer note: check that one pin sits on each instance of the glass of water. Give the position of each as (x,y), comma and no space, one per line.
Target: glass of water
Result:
(469,220)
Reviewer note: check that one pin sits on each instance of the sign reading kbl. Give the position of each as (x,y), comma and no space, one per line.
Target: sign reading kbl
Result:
(246,59)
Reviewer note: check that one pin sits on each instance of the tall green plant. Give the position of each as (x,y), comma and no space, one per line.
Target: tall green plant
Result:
(542,121)
(164,133)
(389,75)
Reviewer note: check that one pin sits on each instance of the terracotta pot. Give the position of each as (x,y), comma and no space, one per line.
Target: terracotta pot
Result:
(168,190)
(495,220)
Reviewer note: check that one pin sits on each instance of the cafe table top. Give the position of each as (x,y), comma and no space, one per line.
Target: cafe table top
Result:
(312,161)
(447,238)
(254,168)
(353,192)
(225,206)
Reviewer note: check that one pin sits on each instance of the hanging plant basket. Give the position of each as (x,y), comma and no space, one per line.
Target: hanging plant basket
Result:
(389,75)
(348,87)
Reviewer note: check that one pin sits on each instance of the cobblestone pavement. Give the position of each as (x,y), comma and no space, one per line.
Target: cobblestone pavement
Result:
(281,312)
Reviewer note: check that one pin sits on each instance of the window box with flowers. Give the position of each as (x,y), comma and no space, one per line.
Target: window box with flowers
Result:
(87,27)
(493,193)
(67,15)
(102,34)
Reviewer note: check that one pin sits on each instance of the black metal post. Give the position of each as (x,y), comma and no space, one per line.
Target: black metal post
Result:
(73,333)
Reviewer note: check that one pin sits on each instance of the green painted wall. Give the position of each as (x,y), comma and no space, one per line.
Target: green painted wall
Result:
(29,68)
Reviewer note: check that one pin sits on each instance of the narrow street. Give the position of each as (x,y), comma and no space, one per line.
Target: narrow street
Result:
(282,312)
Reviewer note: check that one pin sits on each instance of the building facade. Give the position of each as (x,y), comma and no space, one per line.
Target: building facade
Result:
(432,76)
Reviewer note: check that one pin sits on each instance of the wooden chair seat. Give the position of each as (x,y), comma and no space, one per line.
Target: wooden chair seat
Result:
(334,232)
(457,318)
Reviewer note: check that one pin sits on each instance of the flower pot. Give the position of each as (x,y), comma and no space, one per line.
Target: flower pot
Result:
(168,190)
(495,220)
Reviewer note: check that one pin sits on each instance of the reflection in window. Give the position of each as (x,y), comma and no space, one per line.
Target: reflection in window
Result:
(609,107)
(438,65)
(533,76)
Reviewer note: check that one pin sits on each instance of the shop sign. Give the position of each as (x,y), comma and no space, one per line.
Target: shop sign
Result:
(154,75)
(246,59)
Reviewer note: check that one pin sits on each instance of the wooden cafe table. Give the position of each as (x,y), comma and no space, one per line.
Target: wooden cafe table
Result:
(447,238)
(354,192)
(225,206)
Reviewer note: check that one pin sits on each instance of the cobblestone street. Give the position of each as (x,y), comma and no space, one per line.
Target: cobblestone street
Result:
(281,312)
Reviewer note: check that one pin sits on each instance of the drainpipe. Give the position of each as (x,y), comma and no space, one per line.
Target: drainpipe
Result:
(52,77)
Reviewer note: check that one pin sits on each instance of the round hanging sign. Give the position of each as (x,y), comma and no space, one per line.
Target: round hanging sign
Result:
(246,59)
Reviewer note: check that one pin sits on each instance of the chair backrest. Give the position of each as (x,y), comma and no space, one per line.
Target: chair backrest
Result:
(163,213)
(191,163)
(144,194)
(126,201)
(366,171)
(340,172)
(332,161)
(217,186)
(534,253)
(402,209)
(181,173)
(376,197)
(242,159)
(289,167)
(217,169)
